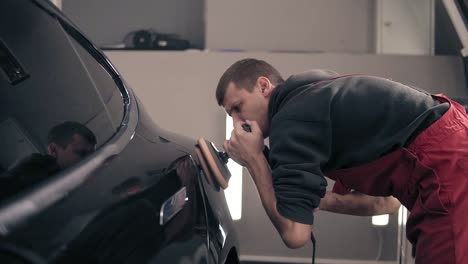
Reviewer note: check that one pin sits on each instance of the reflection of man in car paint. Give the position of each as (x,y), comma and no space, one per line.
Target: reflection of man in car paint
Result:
(68,143)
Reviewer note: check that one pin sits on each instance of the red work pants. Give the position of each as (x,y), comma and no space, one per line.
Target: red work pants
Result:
(430,178)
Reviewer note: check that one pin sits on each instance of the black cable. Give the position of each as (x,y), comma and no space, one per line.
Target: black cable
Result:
(312,238)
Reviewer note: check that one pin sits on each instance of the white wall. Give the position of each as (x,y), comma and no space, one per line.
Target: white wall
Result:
(293,25)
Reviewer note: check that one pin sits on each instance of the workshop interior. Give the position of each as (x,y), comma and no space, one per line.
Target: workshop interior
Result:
(158,186)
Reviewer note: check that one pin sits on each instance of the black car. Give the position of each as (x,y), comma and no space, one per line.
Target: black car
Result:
(140,197)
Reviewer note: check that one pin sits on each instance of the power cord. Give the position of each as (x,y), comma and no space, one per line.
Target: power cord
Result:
(379,250)
(312,238)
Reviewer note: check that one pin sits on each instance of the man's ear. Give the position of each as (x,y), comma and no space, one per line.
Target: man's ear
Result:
(52,149)
(265,86)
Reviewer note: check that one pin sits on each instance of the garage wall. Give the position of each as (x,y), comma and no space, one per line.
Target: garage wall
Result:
(108,21)
(293,25)
(274,25)
(177,89)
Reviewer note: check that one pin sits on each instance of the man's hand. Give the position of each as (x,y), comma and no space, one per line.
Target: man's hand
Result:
(244,146)
(359,204)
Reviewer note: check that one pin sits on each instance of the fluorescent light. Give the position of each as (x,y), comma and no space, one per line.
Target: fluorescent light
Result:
(402,216)
(233,192)
(380,220)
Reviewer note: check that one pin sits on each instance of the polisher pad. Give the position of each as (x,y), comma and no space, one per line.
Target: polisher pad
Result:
(204,166)
(214,163)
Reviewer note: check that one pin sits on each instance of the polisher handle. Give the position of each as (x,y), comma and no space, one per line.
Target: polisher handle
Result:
(246,127)
(223,155)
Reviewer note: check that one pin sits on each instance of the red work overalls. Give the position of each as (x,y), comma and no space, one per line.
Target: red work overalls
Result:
(430,178)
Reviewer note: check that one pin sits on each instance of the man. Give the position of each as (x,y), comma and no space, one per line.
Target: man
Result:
(68,143)
(384,143)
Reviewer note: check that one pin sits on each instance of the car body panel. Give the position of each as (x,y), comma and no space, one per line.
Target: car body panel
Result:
(108,207)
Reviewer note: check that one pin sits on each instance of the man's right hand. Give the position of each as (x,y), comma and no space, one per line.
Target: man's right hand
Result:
(243,146)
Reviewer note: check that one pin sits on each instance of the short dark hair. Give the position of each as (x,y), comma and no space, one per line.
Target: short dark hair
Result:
(245,73)
(62,134)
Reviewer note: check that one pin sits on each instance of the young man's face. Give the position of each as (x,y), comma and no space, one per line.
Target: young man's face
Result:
(76,150)
(243,105)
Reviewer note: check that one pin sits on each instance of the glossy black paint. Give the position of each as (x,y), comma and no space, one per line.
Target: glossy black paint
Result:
(107,208)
